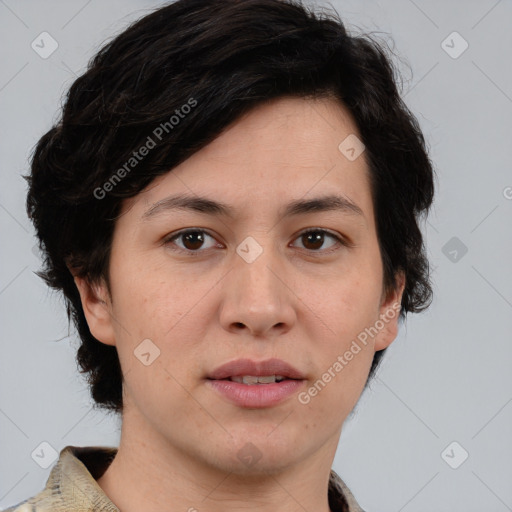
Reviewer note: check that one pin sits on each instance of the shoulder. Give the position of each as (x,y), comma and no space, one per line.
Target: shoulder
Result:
(37,503)
(24,506)
(71,485)
(340,497)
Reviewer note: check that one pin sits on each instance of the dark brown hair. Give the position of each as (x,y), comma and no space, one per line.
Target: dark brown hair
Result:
(220,58)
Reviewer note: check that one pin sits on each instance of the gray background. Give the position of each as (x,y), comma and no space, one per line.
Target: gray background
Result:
(446,378)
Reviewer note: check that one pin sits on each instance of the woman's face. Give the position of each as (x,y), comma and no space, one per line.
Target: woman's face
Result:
(281,274)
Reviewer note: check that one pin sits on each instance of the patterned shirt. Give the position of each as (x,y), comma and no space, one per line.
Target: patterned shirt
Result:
(72,485)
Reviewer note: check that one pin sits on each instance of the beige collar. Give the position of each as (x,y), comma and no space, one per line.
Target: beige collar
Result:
(72,485)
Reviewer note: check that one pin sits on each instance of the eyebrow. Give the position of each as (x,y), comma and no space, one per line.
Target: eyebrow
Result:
(216,208)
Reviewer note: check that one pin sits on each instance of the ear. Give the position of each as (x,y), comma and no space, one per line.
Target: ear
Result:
(97,307)
(389,313)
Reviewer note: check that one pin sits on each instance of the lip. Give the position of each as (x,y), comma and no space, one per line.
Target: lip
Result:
(242,367)
(256,396)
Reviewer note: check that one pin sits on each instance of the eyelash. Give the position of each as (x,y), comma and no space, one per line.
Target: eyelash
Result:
(170,240)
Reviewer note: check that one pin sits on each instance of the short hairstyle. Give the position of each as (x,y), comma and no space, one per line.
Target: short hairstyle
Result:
(178,77)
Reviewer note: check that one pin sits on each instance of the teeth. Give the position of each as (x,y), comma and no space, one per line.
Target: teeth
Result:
(251,379)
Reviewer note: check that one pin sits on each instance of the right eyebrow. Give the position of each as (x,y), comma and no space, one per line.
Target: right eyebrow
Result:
(210,207)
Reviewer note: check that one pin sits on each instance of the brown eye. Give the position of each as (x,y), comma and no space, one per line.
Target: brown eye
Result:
(192,240)
(314,239)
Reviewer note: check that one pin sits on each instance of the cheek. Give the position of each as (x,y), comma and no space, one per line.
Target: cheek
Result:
(164,311)
(343,349)
(145,295)
(346,306)
(152,328)
(328,400)
(343,362)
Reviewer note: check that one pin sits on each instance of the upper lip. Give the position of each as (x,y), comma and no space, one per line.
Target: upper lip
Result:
(241,367)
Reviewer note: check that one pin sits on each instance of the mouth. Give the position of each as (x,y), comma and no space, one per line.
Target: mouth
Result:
(264,372)
(251,384)
(255,379)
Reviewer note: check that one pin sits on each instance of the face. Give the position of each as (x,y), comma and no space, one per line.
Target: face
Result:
(273,275)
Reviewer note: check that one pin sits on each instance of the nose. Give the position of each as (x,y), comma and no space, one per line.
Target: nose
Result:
(257,297)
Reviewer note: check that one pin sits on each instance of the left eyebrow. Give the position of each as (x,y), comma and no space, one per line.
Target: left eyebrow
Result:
(216,208)
(191,203)
(322,204)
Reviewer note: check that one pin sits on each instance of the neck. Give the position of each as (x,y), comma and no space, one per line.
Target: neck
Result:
(150,474)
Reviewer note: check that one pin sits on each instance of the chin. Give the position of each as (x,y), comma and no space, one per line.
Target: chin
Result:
(256,463)
(259,454)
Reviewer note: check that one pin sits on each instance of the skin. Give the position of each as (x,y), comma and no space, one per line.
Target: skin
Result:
(301,301)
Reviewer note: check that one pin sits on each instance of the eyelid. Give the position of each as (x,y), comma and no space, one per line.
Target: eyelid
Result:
(167,240)
(340,239)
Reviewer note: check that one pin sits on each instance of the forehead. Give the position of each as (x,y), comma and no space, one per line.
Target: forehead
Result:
(279,153)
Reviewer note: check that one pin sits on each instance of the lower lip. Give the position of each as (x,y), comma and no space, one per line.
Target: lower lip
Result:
(256,396)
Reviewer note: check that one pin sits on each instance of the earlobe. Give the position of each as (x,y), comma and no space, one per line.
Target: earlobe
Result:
(96,305)
(389,314)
